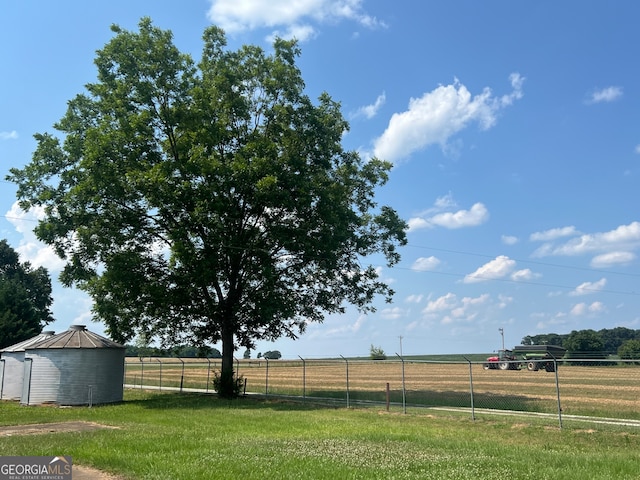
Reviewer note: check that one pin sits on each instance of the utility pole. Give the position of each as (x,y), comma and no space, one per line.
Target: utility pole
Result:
(501,330)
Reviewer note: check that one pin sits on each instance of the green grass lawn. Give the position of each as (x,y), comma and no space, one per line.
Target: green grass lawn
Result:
(170,436)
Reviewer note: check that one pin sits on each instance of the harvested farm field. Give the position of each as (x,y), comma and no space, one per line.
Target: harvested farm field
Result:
(607,391)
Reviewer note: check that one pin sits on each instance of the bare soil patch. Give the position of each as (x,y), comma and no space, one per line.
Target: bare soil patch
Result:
(88,473)
(42,428)
(79,472)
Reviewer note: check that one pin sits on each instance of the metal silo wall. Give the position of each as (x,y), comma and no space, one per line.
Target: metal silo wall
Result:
(76,376)
(11,388)
(42,378)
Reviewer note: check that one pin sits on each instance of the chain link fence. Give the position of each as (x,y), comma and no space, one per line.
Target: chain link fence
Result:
(591,388)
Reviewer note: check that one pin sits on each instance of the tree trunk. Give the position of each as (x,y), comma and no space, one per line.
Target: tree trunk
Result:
(227,377)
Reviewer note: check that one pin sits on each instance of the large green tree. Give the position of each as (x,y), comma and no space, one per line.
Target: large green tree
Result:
(25,298)
(613,338)
(584,344)
(209,201)
(630,350)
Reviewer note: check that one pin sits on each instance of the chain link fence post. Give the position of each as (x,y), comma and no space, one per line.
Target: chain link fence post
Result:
(473,408)
(404,390)
(347,363)
(141,372)
(304,378)
(181,374)
(555,369)
(208,373)
(160,380)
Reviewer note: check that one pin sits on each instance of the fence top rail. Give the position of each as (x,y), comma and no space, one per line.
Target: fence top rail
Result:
(596,362)
(176,360)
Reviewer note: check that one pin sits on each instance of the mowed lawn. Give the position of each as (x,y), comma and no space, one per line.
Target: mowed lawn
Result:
(187,436)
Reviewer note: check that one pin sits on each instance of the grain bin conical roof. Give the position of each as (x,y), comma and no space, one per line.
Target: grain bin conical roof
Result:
(23,345)
(76,337)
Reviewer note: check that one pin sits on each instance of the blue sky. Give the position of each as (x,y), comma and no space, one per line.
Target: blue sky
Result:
(513,127)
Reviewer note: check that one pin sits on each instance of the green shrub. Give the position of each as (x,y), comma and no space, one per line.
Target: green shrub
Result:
(237,388)
(377,353)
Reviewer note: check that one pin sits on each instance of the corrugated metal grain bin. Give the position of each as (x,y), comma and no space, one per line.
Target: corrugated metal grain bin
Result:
(76,367)
(12,366)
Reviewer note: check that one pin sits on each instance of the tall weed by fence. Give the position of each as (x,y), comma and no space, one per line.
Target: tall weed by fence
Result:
(590,388)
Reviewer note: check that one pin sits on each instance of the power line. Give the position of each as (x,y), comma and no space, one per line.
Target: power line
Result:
(486,278)
(19,218)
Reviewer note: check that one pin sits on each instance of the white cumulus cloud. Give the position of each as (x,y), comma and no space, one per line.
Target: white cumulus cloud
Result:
(467,308)
(588,288)
(524,275)
(622,238)
(438,115)
(424,264)
(581,309)
(299,32)
(394,313)
(415,298)
(499,267)
(476,215)
(553,234)
(613,258)
(31,249)
(445,302)
(614,247)
(370,111)
(449,309)
(509,239)
(417,223)
(516,81)
(604,95)
(298,18)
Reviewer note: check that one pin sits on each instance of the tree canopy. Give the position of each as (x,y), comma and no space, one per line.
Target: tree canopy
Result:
(544,339)
(210,201)
(25,298)
(272,355)
(584,342)
(604,341)
(630,350)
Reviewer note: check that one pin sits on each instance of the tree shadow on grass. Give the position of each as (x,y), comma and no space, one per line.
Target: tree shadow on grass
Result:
(332,399)
(210,401)
(524,403)
(432,398)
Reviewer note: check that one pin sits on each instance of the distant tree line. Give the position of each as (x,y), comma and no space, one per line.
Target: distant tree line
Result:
(270,355)
(621,341)
(183,351)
